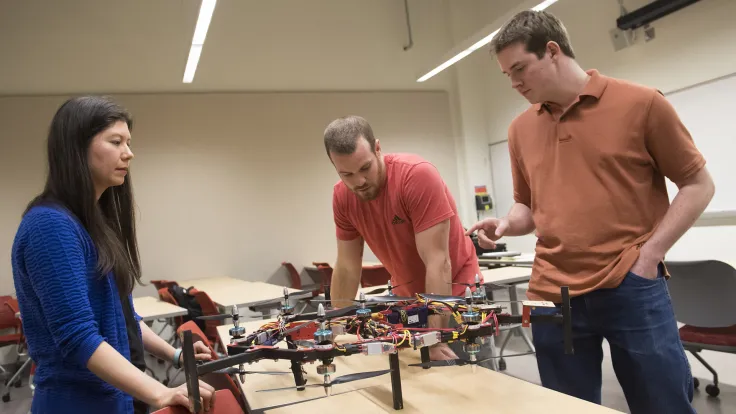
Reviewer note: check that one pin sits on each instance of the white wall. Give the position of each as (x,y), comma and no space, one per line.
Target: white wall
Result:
(470,96)
(691,46)
(227,184)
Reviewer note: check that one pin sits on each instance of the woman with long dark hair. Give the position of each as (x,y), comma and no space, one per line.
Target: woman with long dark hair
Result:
(75,263)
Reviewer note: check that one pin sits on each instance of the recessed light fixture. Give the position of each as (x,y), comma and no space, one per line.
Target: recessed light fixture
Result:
(200,34)
(475,46)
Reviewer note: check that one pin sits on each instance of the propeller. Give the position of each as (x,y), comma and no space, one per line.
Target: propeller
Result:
(461,362)
(388,287)
(388,299)
(234,371)
(442,298)
(339,380)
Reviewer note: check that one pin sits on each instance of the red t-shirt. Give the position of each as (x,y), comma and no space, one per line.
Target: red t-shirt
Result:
(413,199)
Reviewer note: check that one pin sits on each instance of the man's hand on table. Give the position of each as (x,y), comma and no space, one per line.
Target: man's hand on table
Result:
(441,352)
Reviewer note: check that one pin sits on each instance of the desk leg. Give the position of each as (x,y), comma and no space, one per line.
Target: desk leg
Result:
(393,361)
(514,297)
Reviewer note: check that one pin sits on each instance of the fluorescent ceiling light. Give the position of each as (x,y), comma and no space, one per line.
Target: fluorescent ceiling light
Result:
(194,52)
(200,34)
(475,46)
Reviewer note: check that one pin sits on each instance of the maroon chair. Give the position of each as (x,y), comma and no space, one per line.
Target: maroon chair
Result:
(163,284)
(10,320)
(225,403)
(296,280)
(209,307)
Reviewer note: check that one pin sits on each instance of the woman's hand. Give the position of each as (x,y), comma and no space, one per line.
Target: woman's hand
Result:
(201,353)
(180,396)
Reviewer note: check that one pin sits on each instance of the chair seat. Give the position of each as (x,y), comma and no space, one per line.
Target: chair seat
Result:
(711,336)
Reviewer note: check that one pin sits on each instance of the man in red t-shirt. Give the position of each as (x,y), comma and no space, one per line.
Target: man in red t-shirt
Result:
(400,206)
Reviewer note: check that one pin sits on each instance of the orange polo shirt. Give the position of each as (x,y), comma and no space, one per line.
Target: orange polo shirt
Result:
(595,181)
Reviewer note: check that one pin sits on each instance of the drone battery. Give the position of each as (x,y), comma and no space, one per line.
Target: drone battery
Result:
(410,318)
(261,338)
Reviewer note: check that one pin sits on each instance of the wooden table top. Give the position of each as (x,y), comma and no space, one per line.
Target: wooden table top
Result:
(507,275)
(228,291)
(151,308)
(447,389)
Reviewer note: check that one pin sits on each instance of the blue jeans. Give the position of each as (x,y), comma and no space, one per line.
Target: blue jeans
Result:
(637,320)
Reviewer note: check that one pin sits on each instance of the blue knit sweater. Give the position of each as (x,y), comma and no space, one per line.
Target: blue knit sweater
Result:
(68,310)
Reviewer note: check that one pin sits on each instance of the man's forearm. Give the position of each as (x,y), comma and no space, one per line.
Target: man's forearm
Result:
(344,286)
(156,345)
(687,206)
(520,220)
(438,282)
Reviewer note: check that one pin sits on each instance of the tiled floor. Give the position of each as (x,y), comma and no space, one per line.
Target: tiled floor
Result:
(523,367)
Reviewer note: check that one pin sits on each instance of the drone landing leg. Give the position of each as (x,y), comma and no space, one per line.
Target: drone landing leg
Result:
(296,369)
(393,361)
(190,371)
(424,353)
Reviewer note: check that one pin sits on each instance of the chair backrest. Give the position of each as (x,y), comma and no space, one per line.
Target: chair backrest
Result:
(163,284)
(208,308)
(8,309)
(374,276)
(225,403)
(220,381)
(197,335)
(703,292)
(296,280)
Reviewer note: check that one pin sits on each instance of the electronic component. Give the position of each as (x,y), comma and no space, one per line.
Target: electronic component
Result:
(337,330)
(377,348)
(427,339)
(410,318)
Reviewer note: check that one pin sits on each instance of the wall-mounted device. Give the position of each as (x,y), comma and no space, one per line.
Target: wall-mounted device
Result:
(625,34)
(483,200)
(651,12)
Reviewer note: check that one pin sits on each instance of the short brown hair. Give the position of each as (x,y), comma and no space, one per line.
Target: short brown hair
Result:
(342,134)
(534,29)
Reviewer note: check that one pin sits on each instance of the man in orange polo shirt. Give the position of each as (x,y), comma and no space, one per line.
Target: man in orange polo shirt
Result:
(589,160)
(399,205)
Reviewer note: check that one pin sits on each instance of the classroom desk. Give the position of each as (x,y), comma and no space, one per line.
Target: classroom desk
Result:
(511,276)
(507,275)
(312,267)
(523,260)
(150,308)
(447,389)
(228,291)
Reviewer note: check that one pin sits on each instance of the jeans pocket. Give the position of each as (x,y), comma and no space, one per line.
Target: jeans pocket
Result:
(642,278)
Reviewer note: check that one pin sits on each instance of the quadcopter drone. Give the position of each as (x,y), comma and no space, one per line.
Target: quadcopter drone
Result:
(383,325)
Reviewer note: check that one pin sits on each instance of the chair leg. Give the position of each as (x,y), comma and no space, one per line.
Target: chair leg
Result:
(711,389)
(707,366)
(14,378)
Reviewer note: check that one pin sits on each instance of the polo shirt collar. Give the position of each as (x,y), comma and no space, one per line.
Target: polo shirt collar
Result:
(594,88)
